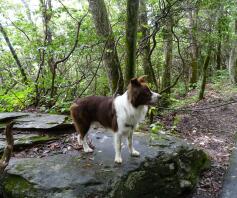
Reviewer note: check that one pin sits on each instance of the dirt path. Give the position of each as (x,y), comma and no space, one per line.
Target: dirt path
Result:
(213,130)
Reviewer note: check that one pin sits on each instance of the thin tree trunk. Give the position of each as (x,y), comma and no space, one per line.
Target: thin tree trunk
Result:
(218,55)
(204,74)
(110,57)
(233,59)
(145,45)
(219,45)
(14,54)
(193,42)
(168,48)
(131,39)
(166,75)
(46,7)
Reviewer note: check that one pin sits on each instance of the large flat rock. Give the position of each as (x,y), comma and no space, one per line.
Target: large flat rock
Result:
(12,115)
(168,167)
(22,141)
(37,121)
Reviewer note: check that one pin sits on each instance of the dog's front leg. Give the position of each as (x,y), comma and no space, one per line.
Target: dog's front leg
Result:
(117,147)
(130,145)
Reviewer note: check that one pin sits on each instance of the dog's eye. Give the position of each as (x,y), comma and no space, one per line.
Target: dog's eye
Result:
(147,91)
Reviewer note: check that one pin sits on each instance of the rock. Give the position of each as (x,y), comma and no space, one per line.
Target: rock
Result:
(167,171)
(38,121)
(25,140)
(229,189)
(10,116)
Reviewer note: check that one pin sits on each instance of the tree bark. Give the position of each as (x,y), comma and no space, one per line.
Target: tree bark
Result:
(218,55)
(193,43)
(219,44)
(46,7)
(233,59)
(110,56)
(14,54)
(168,49)
(204,74)
(131,39)
(145,45)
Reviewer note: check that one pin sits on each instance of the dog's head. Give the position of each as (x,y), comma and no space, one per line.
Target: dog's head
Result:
(140,94)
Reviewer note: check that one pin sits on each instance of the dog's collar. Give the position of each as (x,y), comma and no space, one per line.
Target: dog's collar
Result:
(129,125)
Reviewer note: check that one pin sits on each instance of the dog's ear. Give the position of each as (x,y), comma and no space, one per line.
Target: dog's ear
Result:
(134,81)
(142,79)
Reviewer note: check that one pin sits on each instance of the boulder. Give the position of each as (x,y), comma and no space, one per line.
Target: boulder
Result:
(167,167)
(37,121)
(22,141)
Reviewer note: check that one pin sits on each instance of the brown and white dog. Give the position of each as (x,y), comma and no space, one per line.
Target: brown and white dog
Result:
(120,114)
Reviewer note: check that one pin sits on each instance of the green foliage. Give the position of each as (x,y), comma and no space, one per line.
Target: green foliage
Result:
(156,127)
(15,100)
(81,74)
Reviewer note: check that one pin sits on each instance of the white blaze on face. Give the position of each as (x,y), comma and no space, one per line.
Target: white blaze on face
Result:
(155,97)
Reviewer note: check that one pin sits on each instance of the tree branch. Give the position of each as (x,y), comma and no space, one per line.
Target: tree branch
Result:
(13,52)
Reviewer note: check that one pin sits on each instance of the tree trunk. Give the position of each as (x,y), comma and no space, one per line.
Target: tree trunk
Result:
(14,54)
(168,48)
(131,39)
(193,43)
(218,55)
(204,74)
(46,7)
(145,45)
(110,57)
(233,59)
(219,45)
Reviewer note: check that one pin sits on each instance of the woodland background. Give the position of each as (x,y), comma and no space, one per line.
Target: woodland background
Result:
(52,51)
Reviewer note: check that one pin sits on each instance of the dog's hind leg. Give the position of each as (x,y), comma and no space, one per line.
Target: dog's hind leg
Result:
(81,128)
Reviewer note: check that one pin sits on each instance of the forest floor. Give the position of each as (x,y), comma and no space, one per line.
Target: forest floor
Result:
(212,129)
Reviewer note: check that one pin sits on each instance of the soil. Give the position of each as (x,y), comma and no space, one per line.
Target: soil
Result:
(212,130)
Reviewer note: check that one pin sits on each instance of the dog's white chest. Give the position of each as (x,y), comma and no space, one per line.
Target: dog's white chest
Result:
(127,115)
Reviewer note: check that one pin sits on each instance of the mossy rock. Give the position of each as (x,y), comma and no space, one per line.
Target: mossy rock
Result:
(169,171)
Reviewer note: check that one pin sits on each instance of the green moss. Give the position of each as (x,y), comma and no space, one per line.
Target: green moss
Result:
(35,139)
(2,125)
(133,179)
(16,186)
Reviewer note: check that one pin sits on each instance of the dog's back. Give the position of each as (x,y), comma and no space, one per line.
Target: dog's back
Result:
(90,109)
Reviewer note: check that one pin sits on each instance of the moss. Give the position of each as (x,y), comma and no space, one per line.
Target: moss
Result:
(35,139)
(133,179)
(2,125)
(16,186)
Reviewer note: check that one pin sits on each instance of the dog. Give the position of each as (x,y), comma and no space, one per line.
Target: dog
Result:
(121,114)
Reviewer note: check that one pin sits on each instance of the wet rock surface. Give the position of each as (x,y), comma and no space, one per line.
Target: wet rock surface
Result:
(168,167)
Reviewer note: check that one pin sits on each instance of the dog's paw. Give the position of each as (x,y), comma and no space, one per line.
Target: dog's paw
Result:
(88,150)
(118,160)
(135,153)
